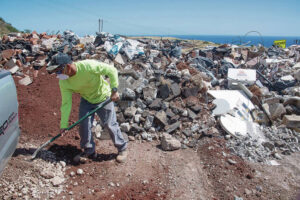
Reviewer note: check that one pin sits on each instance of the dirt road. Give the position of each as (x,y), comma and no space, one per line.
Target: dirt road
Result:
(207,171)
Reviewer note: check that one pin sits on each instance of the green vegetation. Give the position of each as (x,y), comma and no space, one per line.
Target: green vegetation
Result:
(6,27)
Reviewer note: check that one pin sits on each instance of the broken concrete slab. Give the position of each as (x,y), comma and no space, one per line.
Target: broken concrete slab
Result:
(291,121)
(161,117)
(149,92)
(169,143)
(128,94)
(130,111)
(25,81)
(14,69)
(172,127)
(156,104)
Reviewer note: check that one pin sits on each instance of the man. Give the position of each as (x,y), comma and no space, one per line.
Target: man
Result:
(86,78)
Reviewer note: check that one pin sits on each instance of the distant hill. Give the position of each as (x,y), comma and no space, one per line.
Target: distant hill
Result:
(6,27)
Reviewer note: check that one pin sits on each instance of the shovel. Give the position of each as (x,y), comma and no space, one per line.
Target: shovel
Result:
(104,103)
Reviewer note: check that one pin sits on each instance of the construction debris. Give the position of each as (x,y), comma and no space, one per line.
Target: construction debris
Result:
(179,95)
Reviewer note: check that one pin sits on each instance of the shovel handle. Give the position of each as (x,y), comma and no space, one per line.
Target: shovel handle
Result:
(104,103)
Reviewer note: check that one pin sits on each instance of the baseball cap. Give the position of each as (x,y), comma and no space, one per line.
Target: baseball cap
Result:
(58,63)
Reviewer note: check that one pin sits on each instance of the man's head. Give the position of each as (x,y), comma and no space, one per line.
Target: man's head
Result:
(58,63)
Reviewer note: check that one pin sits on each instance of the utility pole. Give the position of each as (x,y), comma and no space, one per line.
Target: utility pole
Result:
(100,22)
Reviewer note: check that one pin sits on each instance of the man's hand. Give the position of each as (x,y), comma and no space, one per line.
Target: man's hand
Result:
(115,96)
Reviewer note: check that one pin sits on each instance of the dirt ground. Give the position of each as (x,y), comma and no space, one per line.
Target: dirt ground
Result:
(204,172)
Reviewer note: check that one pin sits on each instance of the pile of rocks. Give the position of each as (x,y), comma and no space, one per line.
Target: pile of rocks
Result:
(42,179)
(164,86)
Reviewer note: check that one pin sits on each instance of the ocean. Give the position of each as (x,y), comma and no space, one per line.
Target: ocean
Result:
(266,41)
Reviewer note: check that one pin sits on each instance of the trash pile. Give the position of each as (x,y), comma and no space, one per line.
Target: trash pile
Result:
(249,95)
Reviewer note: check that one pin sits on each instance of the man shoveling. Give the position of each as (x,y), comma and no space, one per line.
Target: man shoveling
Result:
(86,78)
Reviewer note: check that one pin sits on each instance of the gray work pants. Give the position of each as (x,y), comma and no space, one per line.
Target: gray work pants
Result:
(108,118)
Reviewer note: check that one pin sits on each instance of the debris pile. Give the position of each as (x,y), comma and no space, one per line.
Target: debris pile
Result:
(45,181)
(249,95)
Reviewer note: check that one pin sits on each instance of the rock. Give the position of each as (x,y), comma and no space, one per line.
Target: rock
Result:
(63,164)
(227,137)
(137,118)
(149,92)
(128,94)
(276,110)
(79,171)
(136,128)
(10,64)
(196,108)
(272,100)
(72,174)
(174,119)
(277,156)
(248,192)
(187,132)
(161,117)
(191,114)
(14,69)
(156,104)
(238,198)
(56,181)
(175,88)
(111,184)
(7,54)
(172,127)
(232,162)
(291,121)
(279,143)
(148,122)
(269,145)
(131,138)
(125,127)
(186,92)
(146,136)
(185,113)
(140,104)
(130,111)
(296,66)
(169,143)
(119,59)
(25,81)
(163,91)
(259,188)
(46,173)
(297,75)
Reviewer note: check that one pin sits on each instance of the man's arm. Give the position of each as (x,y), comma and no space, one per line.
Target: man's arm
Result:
(66,106)
(110,71)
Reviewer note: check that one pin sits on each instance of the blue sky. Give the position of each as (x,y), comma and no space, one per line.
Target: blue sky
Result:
(154,17)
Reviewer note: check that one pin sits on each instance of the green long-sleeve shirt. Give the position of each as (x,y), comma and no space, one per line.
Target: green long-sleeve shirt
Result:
(89,83)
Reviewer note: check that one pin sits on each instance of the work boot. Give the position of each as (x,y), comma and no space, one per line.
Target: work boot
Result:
(83,157)
(121,158)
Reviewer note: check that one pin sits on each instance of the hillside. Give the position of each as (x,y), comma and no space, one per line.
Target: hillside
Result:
(6,27)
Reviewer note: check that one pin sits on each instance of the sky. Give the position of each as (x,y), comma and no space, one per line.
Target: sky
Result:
(155,17)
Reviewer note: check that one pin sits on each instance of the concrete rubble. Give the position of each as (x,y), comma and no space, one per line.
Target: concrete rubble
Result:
(166,88)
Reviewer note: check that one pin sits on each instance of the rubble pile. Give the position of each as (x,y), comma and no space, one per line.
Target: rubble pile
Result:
(249,95)
(45,181)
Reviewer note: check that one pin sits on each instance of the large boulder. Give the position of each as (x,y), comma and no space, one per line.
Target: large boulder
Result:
(169,143)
